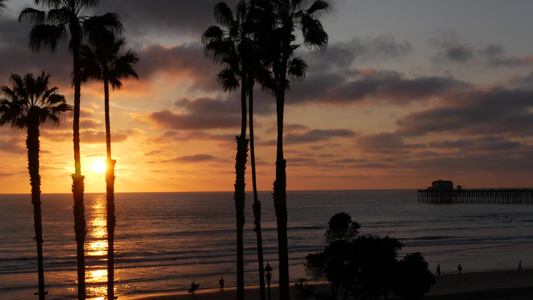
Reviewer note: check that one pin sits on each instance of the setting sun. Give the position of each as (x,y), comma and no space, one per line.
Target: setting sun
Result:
(99,166)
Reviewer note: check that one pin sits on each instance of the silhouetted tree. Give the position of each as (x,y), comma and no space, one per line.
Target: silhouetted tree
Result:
(412,278)
(107,62)
(257,203)
(341,228)
(279,38)
(29,104)
(376,260)
(232,47)
(2,5)
(336,263)
(50,28)
(366,267)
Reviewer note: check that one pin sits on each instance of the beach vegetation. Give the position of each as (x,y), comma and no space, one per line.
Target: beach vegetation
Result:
(29,104)
(50,28)
(412,278)
(366,267)
(107,62)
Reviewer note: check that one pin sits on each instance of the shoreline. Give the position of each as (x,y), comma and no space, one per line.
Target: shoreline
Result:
(493,285)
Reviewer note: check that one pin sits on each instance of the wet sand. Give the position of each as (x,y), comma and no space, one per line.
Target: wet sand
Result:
(496,285)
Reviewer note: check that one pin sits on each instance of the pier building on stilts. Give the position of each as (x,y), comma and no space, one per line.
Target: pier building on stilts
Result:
(443,192)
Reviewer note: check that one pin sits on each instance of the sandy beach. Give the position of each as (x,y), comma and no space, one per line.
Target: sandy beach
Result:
(495,285)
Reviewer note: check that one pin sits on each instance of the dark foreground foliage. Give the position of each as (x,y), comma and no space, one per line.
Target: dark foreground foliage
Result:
(367,267)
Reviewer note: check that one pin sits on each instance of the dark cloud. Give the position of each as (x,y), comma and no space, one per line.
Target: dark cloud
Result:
(372,85)
(13,144)
(187,62)
(455,53)
(141,17)
(200,114)
(343,54)
(492,55)
(383,143)
(512,160)
(492,143)
(17,57)
(317,135)
(90,123)
(59,136)
(171,136)
(496,57)
(195,158)
(95,137)
(477,112)
(523,82)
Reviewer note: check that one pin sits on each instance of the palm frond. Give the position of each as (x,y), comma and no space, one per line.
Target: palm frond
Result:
(102,27)
(228,79)
(223,14)
(30,100)
(32,15)
(46,36)
(313,32)
(318,7)
(59,16)
(49,3)
(90,67)
(297,67)
(212,33)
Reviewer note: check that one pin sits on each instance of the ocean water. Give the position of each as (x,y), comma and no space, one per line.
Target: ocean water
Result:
(164,241)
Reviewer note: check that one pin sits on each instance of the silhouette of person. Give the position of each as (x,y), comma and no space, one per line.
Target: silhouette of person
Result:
(194,287)
(221,282)
(519,266)
(459,268)
(438,270)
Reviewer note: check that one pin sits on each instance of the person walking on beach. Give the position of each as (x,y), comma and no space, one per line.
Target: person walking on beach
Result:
(193,288)
(438,270)
(459,268)
(221,282)
(519,266)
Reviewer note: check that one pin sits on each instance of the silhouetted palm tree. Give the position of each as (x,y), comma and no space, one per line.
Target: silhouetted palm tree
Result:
(257,203)
(232,48)
(2,4)
(107,63)
(29,104)
(49,29)
(279,40)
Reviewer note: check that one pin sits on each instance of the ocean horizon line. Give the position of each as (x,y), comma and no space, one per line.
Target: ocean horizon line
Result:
(262,191)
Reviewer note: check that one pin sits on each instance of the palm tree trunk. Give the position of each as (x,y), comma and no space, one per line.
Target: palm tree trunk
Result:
(111,221)
(80,226)
(32,143)
(280,199)
(240,166)
(110,196)
(257,203)
(240,169)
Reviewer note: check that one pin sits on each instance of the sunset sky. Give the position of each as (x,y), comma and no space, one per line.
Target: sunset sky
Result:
(407,92)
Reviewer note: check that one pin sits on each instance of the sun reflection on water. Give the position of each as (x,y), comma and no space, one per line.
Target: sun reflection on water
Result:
(96,250)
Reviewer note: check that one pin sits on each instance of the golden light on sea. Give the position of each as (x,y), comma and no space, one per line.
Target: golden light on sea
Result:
(96,249)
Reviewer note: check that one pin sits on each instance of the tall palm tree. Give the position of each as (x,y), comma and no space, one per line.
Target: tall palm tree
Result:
(232,48)
(108,63)
(279,38)
(257,203)
(50,28)
(29,104)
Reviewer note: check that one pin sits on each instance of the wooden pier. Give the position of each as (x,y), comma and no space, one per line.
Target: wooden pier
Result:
(481,196)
